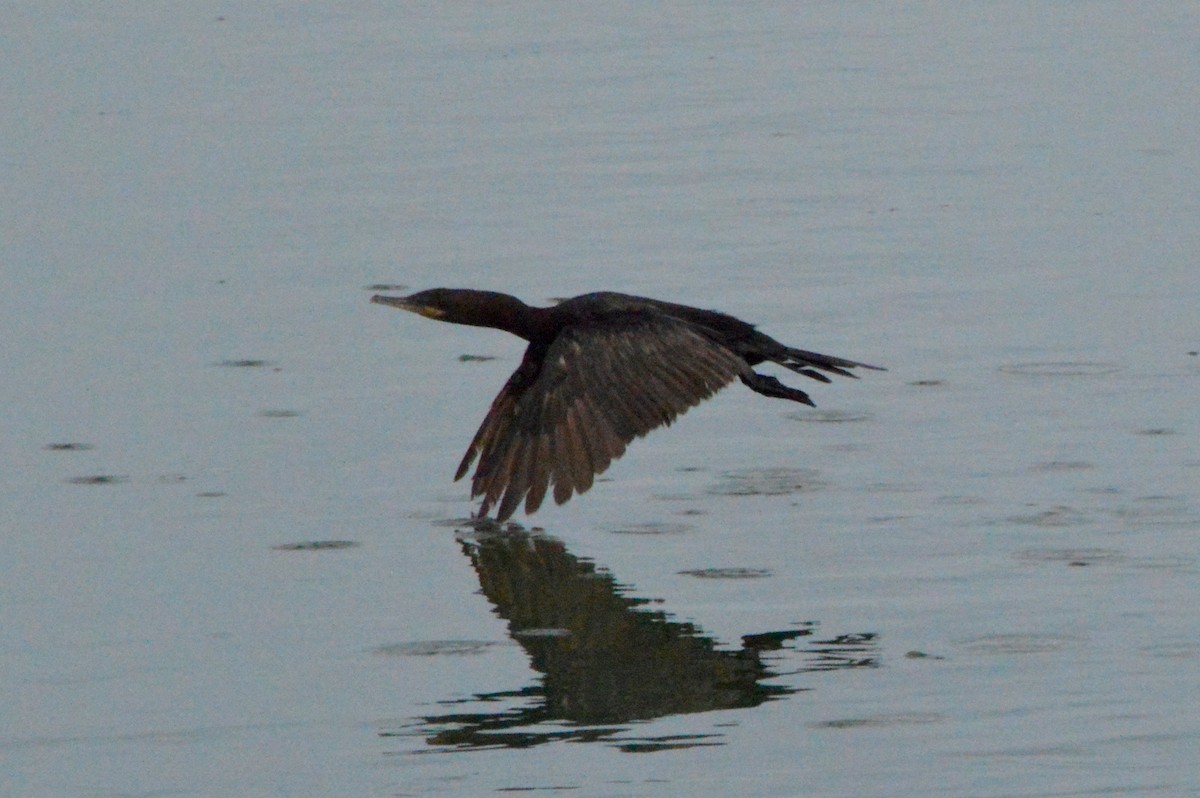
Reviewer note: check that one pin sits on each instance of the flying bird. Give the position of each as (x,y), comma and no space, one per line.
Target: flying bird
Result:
(600,370)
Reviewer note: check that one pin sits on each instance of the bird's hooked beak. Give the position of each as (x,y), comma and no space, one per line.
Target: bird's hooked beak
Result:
(428,311)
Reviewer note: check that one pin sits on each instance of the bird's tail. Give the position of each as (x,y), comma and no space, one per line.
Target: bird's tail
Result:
(811,364)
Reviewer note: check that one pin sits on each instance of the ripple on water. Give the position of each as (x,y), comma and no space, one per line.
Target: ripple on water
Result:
(1052,466)
(99,479)
(471,528)
(69,447)
(278,413)
(1054,517)
(653,528)
(317,545)
(1177,649)
(957,500)
(1061,369)
(1004,644)
(1182,563)
(1075,557)
(828,416)
(438,648)
(880,721)
(779,481)
(727,573)
(1158,511)
(247,363)
(1080,557)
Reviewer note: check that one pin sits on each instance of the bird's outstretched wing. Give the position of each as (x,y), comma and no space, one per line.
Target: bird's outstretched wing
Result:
(572,406)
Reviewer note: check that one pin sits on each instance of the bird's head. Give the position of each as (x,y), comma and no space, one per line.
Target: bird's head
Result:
(433,304)
(462,306)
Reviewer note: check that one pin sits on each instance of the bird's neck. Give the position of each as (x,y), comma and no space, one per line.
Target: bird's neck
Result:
(504,312)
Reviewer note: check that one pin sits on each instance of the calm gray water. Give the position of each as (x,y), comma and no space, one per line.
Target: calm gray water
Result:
(225,485)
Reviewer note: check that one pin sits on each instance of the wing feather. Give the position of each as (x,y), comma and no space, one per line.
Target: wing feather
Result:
(564,480)
(573,406)
(581,457)
(539,473)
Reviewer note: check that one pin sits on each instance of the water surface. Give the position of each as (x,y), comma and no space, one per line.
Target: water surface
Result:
(234,565)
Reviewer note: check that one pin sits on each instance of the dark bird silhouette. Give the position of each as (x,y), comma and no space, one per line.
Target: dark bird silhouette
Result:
(601,369)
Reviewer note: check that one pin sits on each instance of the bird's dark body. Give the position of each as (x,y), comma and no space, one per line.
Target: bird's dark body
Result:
(600,370)
(721,327)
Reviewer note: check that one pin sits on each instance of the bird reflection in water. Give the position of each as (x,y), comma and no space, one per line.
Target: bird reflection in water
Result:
(605,659)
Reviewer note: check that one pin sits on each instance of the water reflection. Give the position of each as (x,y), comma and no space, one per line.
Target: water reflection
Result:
(607,659)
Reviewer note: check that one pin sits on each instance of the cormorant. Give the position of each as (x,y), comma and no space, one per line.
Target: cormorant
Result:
(601,369)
